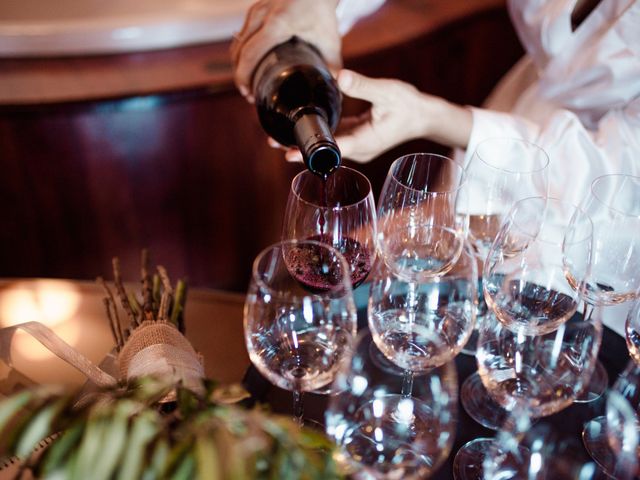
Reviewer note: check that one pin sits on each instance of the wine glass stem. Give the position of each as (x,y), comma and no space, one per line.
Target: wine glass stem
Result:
(298,407)
(407,383)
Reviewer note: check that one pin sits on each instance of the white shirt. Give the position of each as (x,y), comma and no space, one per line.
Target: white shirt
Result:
(575,94)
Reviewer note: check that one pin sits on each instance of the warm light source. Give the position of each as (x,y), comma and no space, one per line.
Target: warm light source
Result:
(49,302)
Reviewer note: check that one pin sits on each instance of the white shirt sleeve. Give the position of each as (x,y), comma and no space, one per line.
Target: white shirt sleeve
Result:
(350,11)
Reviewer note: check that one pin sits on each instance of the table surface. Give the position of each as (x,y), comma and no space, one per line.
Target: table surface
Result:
(74,310)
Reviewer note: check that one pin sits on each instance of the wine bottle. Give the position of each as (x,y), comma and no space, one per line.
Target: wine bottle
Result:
(298,103)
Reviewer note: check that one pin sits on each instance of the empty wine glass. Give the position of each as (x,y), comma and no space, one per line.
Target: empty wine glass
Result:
(339,211)
(524,282)
(613,203)
(381,433)
(420,191)
(420,325)
(544,372)
(299,315)
(612,440)
(524,450)
(500,172)
(524,273)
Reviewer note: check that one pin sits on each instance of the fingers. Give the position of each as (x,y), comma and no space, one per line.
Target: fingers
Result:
(290,154)
(358,86)
(293,155)
(246,62)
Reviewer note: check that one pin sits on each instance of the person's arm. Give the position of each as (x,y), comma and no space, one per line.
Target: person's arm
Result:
(398,113)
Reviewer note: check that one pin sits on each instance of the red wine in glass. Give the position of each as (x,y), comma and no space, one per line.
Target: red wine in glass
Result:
(307,265)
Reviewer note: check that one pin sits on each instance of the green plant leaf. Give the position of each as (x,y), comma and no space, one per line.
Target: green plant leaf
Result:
(186,469)
(38,427)
(207,457)
(58,453)
(12,405)
(114,440)
(145,427)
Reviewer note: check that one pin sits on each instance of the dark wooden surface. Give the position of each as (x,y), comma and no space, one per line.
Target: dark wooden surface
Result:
(186,171)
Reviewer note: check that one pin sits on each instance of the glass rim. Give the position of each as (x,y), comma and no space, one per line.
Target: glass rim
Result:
(607,204)
(511,139)
(574,208)
(463,173)
(342,207)
(258,280)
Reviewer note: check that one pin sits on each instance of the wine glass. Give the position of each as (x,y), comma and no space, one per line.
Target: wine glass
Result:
(381,433)
(501,172)
(420,191)
(613,440)
(338,211)
(540,373)
(613,203)
(523,449)
(524,274)
(420,325)
(524,282)
(299,316)
(606,437)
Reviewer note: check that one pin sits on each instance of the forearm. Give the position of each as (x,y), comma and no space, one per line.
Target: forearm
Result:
(446,123)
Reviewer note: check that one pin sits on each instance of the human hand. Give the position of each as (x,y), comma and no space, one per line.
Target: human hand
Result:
(271,22)
(399,112)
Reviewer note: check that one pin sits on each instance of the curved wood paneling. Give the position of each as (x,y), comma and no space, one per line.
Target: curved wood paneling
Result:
(186,171)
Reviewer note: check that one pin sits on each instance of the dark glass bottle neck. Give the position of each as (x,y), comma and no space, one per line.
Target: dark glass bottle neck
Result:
(316,143)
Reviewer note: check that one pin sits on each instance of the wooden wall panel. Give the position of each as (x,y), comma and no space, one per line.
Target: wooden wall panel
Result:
(188,173)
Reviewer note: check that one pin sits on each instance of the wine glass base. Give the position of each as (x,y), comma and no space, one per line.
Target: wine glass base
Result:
(480,406)
(468,462)
(597,385)
(594,438)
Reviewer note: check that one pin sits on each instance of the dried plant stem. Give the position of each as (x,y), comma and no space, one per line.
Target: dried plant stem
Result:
(147,289)
(112,323)
(115,320)
(167,295)
(177,313)
(122,294)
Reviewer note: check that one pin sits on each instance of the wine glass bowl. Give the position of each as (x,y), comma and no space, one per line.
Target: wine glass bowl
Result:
(501,172)
(544,372)
(524,280)
(419,325)
(524,449)
(338,211)
(421,190)
(381,433)
(295,332)
(613,203)
(418,252)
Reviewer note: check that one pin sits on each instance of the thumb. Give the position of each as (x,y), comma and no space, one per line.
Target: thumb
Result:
(358,86)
